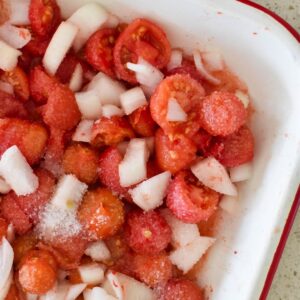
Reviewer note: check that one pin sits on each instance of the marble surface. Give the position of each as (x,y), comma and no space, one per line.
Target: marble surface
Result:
(286,284)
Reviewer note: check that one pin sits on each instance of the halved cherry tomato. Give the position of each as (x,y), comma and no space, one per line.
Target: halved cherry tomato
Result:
(111,131)
(174,155)
(222,114)
(238,148)
(190,201)
(18,79)
(188,93)
(23,244)
(142,122)
(82,161)
(66,68)
(101,213)
(99,50)
(117,246)
(181,289)
(30,137)
(37,46)
(108,172)
(37,273)
(3,228)
(147,232)
(202,140)
(33,204)
(141,38)
(10,107)
(41,84)
(44,16)
(152,168)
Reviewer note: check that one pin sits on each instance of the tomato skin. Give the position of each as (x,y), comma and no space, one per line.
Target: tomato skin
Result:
(108,172)
(222,114)
(173,155)
(66,68)
(140,38)
(44,16)
(111,131)
(37,272)
(99,50)
(18,79)
(238,148)
(147,232)
(10,107)
(37,46)
(142,122)
(188,93)
(202,140)
(190,202)
(13,293)
(101,213)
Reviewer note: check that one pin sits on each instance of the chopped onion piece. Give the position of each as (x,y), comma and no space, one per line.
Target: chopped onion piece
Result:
(200,67)
(59,292)
(89,104)
(132,168)
(187,256)
(59,45)
(213,60)
(6,87)
(175,59)
(175,112)
(6,262)
(98,251)
(241,173)
(69,193)
(97,293)
(150,143)
(91,273)
(110,110)
(83,132)
(88,18)
(17,172)
(112,21)
(4,187)
(8,57)
(31,297)
(14,36)
(212,174)
(109,90)
(229,204)
(132,100)
(19,12)
(243,97)
(76,79)
(182,233)
(122,147)
(150,193)
(75,290)
(6,286)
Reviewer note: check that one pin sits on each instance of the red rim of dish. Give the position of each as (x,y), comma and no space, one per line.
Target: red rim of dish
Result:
(288,26)
(296,204)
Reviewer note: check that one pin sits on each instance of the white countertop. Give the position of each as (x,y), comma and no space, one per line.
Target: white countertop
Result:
(286,284)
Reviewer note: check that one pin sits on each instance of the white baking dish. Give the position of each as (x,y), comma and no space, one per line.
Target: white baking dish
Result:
(267,57)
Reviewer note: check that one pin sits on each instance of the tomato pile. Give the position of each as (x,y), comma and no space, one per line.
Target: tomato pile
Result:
(138,230)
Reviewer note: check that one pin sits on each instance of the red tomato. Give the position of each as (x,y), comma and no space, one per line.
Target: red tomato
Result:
(222,114)
(66,68)
(31,138)
(188,93)
(111,131)
(61,100)
(190,201)
(147,232)
(37,46)
(152,168)
(44,16)
(181,289)
(141,38)
(32,204)
(173,155)
(41,84)
(108,172)
(18,79)
(142,122)
(13,214)
(3,228)
(99,50)
(202,140)
(238,148)
(10,107)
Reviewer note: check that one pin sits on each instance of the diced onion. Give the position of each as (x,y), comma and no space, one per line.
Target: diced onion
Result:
(14,36)
(213,60)
(4,187)
(76,79)
(89,104)
(6,87)
(241,173)
(5,288)
(150,141)
(83,132)
(91,273)
(88,18)
(132,100)
(97,293)
(19,12)
(75,290)
(200,67)
(243,97)
(229,204)
(110,110)
(112,21)
(175,59)
(31,297)
(59,45)
(122,147)
(98,251)
(8,57)
(6,262)
(17,172)
(175,112)
(59,292)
